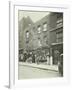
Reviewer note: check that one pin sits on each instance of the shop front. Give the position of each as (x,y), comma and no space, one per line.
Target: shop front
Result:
(57,50)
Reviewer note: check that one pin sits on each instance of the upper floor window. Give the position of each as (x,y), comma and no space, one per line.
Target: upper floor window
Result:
(59,36)
(27,34)
(59,15)
(45,27)
(39,42)
(59,22)
(39,29)
(29,24)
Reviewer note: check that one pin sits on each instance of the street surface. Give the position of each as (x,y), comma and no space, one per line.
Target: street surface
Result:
(27,72)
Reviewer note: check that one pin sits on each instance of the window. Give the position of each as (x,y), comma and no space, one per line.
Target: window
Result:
(59,36)
(45,27)
(29,24)
(59,22)
(39,42)
(33,28)
(59,15)
(45,36)
(45,39)
(39,29)
(27,34)
(27,41)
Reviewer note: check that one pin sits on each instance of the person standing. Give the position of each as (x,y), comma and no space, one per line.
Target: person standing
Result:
(33,58)
(51,60)
(48,59)
(21,57)
(25,57)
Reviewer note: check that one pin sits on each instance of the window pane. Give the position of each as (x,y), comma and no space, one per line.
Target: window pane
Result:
(39,29)
(59,21)
(27,34)
(39,42)
(59,24)
(45,27)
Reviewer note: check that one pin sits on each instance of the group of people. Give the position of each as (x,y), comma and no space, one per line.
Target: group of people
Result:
(33,58)
(25,56)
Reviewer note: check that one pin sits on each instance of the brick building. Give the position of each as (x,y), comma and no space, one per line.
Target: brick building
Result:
(56,37)
(45,35)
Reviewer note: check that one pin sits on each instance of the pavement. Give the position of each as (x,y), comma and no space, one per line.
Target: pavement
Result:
(36,71)
(40,66)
